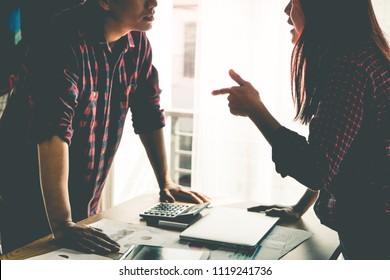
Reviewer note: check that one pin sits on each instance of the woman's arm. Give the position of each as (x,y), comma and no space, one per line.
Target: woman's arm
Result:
(294,212)
(244,100)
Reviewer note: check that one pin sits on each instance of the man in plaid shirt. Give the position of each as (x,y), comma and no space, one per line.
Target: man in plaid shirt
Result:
(83,75)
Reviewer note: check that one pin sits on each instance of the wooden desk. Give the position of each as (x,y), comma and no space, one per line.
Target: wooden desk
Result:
(320,246)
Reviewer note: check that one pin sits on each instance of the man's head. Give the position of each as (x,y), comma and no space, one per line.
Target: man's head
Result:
(131,15)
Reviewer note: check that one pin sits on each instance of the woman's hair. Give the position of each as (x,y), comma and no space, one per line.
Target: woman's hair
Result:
(331,27)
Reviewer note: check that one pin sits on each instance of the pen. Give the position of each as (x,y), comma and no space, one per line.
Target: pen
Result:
(127,253)
(171,224)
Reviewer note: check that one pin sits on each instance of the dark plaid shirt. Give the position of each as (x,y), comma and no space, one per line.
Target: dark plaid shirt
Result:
(347,155)
(81,90)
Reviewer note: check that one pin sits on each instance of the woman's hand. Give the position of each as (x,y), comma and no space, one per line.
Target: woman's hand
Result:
(287,213)
(243,99)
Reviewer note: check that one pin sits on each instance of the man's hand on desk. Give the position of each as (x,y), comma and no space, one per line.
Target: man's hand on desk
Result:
(287,213)
(172,192)
(85,238)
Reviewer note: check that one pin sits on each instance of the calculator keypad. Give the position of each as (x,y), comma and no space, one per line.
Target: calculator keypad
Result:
(168,210)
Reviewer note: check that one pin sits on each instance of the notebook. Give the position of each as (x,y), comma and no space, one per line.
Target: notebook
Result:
(230,228)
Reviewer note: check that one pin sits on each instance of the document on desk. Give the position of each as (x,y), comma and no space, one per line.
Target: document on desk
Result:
(129,234)
(290,237)
(269,250)
(276,244)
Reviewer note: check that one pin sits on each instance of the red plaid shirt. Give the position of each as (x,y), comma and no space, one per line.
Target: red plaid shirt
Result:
(347,155)
(81,91)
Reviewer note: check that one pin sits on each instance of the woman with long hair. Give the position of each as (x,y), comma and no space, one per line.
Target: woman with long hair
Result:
(340,80)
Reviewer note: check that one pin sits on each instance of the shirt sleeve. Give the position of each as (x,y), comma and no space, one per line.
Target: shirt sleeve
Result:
(145,103)
(316,161)
(52,86)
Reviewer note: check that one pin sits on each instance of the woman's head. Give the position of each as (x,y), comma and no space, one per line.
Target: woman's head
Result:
(331,21)
(296,18)
(330,27)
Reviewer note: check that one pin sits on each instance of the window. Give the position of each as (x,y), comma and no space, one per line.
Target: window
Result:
(189,49)
(180,115)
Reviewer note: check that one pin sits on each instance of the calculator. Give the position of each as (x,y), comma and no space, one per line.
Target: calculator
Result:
(171,211)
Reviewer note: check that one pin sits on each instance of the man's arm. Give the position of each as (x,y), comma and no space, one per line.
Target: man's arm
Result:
(155,148)
(54,171)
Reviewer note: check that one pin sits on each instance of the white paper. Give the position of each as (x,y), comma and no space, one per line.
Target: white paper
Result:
(129,234)
(289,236)
(270,250)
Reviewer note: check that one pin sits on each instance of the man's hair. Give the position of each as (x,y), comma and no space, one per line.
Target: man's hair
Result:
(331,27)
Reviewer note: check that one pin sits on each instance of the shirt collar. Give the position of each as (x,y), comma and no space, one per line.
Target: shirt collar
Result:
(92,29)
(122,45)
